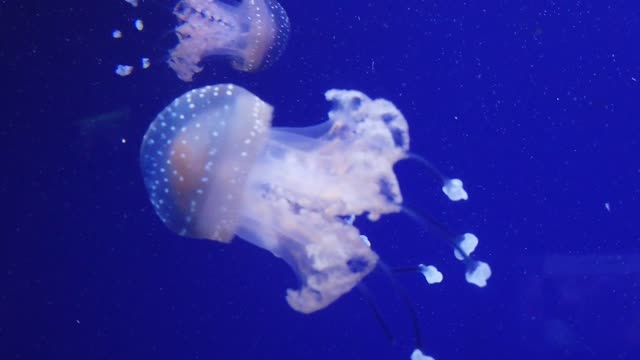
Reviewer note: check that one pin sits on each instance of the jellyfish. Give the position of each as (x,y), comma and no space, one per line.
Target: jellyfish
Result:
(215,168)
(252,33)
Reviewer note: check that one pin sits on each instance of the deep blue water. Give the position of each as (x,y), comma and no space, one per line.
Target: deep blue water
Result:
(533,104)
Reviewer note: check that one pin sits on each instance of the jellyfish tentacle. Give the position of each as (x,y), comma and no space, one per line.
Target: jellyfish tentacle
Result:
(406,269)
(477,272)
(428,222)
(366,294)
(452,187)
(430,272)
(413,314)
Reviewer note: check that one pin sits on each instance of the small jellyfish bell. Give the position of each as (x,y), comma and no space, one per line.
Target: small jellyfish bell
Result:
(215,168)
(253,33)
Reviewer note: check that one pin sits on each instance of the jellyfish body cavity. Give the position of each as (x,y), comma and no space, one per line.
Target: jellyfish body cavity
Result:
(215,168)
(252,33)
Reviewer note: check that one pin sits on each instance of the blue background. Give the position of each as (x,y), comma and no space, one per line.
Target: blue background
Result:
(533,104)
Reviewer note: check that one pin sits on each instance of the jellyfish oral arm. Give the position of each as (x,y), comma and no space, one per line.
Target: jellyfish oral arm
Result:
(295,218)
(327,256)
(297,193)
